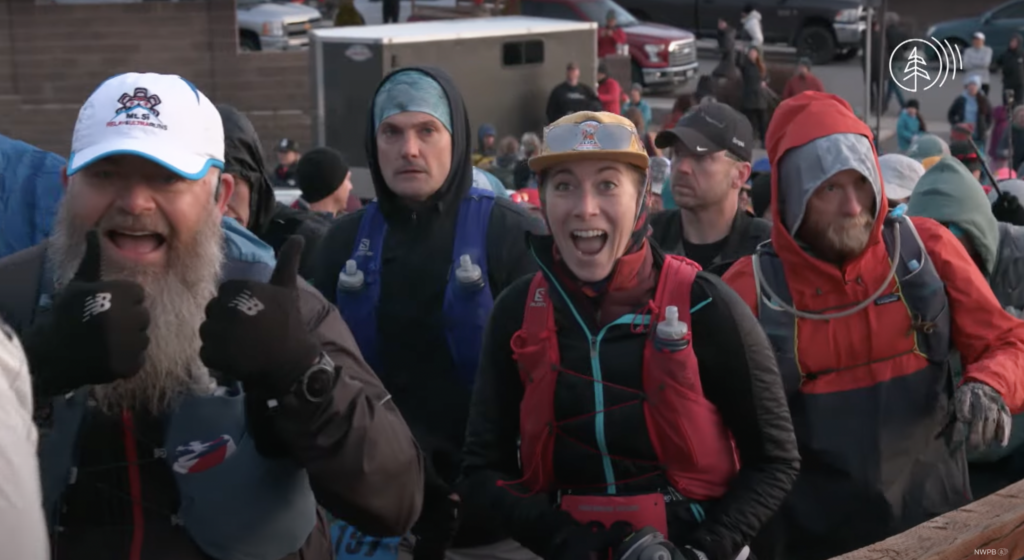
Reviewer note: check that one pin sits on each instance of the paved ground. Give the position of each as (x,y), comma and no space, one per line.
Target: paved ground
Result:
(847,80)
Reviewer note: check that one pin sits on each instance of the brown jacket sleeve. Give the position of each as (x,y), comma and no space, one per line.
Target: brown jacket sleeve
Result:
(363,463)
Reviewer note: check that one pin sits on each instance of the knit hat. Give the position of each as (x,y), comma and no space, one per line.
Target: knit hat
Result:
(320,172)
(899,175)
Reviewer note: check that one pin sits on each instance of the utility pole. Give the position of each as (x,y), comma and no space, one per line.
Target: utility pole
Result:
(867,67)
(883,82)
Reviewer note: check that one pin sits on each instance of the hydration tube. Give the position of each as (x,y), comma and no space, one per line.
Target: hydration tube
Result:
(776,302)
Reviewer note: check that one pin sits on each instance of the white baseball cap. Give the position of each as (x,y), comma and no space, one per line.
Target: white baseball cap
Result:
(899,175)
(160,117)
(979,35)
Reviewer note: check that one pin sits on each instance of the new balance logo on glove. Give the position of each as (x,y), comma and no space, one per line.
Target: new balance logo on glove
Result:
(96,304)
(246,303)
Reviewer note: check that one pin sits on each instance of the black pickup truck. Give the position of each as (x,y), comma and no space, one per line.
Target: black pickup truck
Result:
(823,30)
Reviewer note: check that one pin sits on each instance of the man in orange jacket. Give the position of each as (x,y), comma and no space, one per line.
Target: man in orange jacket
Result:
(863,308)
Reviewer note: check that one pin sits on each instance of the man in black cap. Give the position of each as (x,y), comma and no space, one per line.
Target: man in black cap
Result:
(252,201)
(287,157)
(711,154)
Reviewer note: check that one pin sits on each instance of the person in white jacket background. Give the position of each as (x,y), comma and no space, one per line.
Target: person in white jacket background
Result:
(22,527)
(977,60)
(751,20)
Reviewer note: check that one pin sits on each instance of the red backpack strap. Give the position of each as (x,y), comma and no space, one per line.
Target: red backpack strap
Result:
(677,276)
(674,287)
(535,345)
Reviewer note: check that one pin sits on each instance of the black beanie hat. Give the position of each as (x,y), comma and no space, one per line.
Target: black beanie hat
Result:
(320,172)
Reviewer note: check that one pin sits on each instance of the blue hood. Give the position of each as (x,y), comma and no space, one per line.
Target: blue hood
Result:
(30,192)
(243,250)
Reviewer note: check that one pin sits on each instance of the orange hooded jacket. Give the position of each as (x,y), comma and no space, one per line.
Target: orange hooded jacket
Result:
(861,345)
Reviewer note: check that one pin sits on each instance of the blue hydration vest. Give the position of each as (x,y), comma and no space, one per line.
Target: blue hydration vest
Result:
(246,507)
(465,310)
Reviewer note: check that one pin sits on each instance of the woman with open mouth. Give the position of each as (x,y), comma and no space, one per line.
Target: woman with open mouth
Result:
(625,399)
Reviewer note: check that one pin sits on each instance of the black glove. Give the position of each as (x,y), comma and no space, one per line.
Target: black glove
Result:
(95,333)
(581,542)
(255,333)
(1007,209)
(437,525)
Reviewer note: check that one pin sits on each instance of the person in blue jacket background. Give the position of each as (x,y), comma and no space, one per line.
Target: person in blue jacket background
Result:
(908,125)
(30,191)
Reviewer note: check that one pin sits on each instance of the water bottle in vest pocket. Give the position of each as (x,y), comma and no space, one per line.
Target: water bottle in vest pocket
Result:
(235,503)
(350,544)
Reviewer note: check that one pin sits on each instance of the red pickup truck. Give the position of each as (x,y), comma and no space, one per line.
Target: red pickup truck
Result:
(662,54)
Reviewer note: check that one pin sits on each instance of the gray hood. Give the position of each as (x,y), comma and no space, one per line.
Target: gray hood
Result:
(802,170)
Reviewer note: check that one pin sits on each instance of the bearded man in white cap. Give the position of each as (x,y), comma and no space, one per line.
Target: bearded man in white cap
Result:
(185,399)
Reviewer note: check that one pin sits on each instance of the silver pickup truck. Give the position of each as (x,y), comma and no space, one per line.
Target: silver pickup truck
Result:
(267,26)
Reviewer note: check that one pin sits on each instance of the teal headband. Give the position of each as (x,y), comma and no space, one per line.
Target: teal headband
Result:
(411,90)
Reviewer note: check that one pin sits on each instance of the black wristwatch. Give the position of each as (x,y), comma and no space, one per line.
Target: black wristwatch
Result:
(318,381)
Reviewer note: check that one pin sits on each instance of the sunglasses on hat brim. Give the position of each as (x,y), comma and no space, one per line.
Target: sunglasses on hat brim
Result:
(589,136)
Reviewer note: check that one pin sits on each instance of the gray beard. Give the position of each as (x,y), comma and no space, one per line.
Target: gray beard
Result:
(176,297)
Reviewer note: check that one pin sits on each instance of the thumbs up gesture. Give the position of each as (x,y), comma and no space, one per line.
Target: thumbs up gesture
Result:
(255,333)
(94,334)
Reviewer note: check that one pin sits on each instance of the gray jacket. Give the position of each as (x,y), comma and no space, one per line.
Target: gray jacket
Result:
(977,62)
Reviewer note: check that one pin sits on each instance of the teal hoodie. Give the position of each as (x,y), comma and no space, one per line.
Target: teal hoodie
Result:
(949,194)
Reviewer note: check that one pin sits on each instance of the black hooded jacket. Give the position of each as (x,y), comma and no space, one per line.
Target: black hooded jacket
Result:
(1011,62)
(243,156)
(417,367)
(738,375)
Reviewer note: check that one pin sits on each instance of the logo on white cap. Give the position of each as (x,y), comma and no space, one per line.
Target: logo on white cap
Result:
(138,109)
(159,117)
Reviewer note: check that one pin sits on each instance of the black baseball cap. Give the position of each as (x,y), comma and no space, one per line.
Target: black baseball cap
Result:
(287,145)
(709,128)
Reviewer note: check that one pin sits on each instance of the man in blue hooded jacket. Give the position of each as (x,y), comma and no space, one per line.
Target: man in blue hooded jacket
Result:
(30,191)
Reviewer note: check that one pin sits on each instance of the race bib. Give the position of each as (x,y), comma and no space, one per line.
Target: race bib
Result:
(349,544)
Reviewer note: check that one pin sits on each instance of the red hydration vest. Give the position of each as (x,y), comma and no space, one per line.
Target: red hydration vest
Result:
(687,432)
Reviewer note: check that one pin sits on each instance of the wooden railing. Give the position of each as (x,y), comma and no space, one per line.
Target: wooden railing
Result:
(991,527)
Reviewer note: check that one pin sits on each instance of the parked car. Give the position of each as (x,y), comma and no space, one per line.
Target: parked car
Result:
(820,29)
(661,54)
(998,25)
(269,26)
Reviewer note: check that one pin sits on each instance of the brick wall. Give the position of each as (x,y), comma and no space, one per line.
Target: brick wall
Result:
(53,56)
